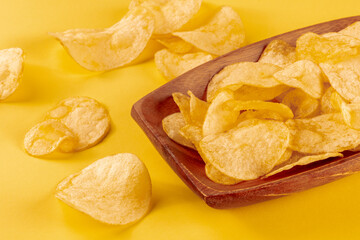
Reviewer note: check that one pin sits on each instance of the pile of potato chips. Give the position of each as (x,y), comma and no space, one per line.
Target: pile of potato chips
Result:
(295,106)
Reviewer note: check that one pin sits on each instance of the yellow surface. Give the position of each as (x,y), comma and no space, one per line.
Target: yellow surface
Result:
(28,209)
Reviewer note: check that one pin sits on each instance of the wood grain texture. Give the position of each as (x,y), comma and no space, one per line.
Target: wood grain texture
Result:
(149,111)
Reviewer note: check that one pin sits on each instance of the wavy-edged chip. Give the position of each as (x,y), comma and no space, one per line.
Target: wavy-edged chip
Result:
(174,44)
(244,73)
(224,33)
(353,30)
(246,92)
(172,125)
(349,111)
(11,67)
(216,176)
(116,46)
(170,15)
(114,190)
(183,102)
(326,106)
(303,74)
(198,109)
(193,134)
(247,151)
(172,65)
(352,41)
(279,53)
(49,136)
(85,117)
(301,104)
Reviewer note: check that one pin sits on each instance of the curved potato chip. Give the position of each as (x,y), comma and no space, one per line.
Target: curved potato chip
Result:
(247,151)
(216,176)
(301,104)
(246,93)
(172,65)
(11,67)
(279,108)
(116,46)
(353,42)
(244,73)
(322,134)
(49,136)
(353,30)
(224,33)
(326,106)
(192,133)
(85,117)
(350,112)
(279,53)
(285,157)
(260,114)
(172,125)
(183,102)
(303,74)
(174,44)
(170,15)
(198,109)
(113,190)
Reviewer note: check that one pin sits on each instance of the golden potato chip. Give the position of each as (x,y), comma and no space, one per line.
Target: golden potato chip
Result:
(116,46)
(85,117)
(303,74)
(279,108)
(260,114)
(192,133)
(172,65)
(285,157)
(11,67)
(174,44)
(300,159)
(246,93)
(172,125)
(326,106)
(301,104)
(113,190)
(183,102)
(311,46)
(322,134)
(198,109)
(224,33)
(219,117)
(48,136)
(247,151)
(353,30)
(170,15)
(279,53)
(344,77)
(216,176)
(349,111)
(353,42)
(244,73)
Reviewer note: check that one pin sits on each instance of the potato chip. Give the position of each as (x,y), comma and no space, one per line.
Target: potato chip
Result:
(192,133)
(198,109)
(301,104)
(172,65)
(116,46)
(322,134)
(216,176)
(311,46)
(349,111)
(246,93)
(224,33)
(49,136)
(11,67)
(247,151)
(279,53)
(85,117)
(219,117)
(285,157)
(183,102)
(260,114)
(353,42)
(174,44)
(303,74)
(172,125)
(170,15)
(344,77)
(279,108)
(113,190)
(300,160)
(326,106)
(353,30)
(244,73)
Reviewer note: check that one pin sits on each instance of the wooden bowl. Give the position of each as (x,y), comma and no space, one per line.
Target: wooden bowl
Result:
(151,109)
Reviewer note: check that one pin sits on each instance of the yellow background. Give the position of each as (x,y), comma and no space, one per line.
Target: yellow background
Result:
(28,209)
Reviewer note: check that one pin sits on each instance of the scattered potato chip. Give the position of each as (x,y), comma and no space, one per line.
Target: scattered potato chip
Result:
(349,111)
(183,102)
(172,65)
(86,118)
(174,44)
(11,67)
(244,73)
(170,15)
(216,176)
(198,109)
(192,133)
(353,30)
(239,152)
(322,134)
(260,114)
(303,74)
(113,190)
(301,104)
(47,137)
(279,53)
(300,159)
(224,33)
(172,125)
(116,46)
(326,106)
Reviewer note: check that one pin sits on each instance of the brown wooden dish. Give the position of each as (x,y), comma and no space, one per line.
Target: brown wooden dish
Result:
(149,111)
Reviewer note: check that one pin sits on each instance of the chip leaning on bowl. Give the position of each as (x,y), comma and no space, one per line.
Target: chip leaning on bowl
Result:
(295,106)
